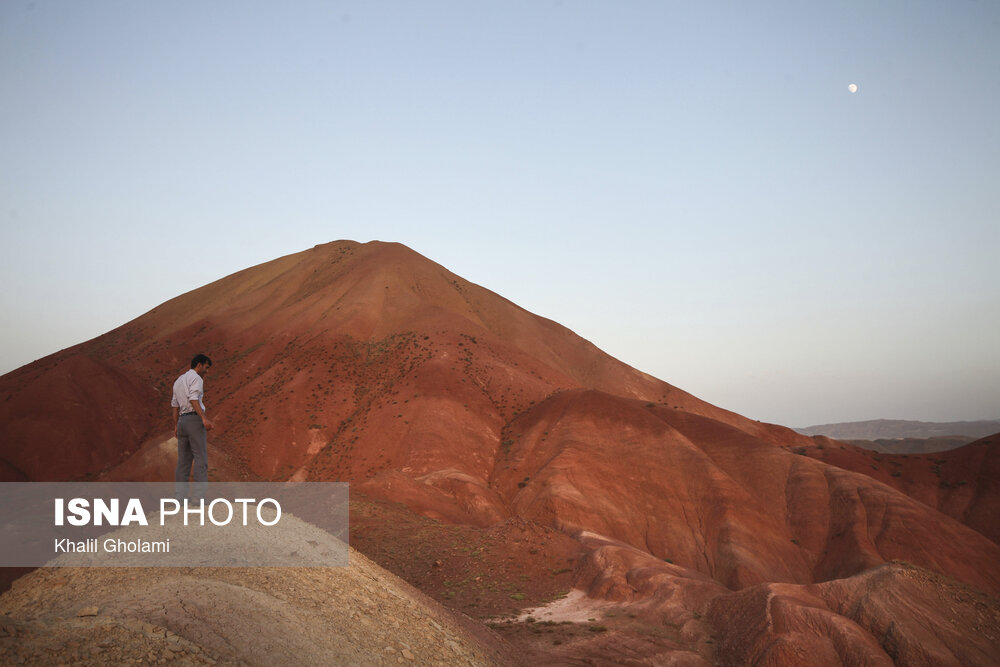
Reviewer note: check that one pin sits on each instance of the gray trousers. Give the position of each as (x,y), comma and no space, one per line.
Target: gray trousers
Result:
(192,447)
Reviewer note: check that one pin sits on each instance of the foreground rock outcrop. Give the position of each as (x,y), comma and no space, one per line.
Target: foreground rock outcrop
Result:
(355,615)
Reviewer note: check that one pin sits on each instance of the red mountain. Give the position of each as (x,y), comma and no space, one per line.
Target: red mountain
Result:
(371,364)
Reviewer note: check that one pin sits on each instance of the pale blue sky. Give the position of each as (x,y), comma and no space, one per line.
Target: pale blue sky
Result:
(689,185)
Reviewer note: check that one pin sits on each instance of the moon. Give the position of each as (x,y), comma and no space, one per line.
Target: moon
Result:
(853,87)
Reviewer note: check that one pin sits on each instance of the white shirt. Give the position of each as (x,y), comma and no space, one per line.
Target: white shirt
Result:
(188,387)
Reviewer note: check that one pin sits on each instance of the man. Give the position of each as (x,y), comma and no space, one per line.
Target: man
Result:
(192,424)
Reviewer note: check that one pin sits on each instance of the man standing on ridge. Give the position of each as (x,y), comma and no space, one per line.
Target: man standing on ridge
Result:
(192,424)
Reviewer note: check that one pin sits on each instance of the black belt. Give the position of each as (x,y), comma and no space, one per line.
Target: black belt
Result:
(189,414)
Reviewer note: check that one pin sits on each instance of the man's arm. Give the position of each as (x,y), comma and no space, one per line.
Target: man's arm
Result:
(196,404)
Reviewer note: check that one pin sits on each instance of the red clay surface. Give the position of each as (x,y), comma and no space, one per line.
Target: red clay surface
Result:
(500,462)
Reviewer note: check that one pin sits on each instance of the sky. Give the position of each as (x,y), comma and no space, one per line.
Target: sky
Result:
(692,186)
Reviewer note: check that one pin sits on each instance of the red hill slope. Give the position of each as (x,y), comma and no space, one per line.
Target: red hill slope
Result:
(963,483)
(371,364)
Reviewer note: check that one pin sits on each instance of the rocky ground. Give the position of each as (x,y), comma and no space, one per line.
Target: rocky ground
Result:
(358,615)
(483,572)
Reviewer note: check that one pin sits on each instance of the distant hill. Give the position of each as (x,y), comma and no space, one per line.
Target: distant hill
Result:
(913,445)
(886,429)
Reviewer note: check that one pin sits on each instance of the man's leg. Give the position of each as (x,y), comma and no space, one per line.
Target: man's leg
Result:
(199,450)
(184,458)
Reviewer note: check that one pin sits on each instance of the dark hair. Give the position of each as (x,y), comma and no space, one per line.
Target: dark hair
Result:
(200,359)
